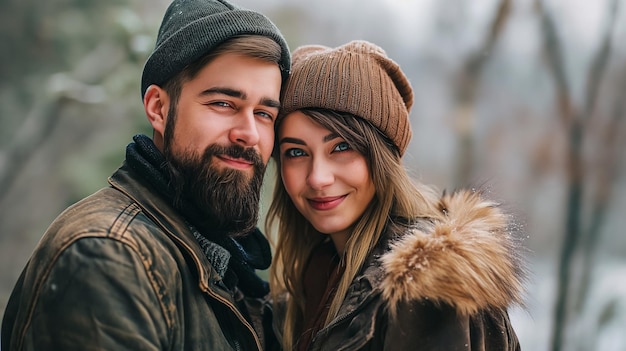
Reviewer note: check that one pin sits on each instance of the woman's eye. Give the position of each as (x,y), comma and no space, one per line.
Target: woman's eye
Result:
(294,152)
(342,146)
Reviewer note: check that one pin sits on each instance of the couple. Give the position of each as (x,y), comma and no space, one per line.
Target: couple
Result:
(366,259)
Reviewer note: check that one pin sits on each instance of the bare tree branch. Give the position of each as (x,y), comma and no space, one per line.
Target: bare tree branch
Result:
(63,89)
(554,58)
(609,155)
(467,88)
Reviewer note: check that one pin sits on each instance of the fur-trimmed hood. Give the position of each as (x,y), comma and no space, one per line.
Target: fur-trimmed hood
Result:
(469,259)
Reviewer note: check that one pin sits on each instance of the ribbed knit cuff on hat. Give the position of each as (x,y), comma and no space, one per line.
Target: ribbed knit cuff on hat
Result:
(356,78)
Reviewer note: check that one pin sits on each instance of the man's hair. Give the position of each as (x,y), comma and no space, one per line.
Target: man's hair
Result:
(193,28)
(254,46)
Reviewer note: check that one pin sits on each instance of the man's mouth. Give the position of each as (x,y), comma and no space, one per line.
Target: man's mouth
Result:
(236,162)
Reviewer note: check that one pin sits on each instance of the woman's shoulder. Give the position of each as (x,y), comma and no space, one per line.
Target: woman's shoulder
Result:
(467,258)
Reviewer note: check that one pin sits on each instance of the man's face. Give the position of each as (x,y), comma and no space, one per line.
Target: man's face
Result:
(221,137)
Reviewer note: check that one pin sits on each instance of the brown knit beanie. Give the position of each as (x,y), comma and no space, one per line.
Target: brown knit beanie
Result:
(356,78)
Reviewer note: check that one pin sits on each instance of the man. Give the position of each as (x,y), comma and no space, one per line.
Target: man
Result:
(165,258)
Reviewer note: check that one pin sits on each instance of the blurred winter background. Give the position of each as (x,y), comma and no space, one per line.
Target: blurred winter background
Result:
(527,97)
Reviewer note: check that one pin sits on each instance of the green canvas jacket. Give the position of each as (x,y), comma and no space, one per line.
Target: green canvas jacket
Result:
(121,270)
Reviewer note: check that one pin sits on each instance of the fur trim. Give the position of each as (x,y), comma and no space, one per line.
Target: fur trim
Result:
(468,259)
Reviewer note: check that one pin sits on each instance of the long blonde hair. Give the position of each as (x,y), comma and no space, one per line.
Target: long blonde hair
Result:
(396,196)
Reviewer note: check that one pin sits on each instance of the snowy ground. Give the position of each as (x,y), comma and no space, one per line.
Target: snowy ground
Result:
(602,326)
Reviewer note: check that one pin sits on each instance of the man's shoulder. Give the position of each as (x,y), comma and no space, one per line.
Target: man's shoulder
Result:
(108,222)
(108,213)
(99,210)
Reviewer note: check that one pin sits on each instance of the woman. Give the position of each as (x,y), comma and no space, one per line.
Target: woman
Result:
(366,258)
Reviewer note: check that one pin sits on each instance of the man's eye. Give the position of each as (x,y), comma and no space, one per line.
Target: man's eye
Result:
(219,103)
(265,115)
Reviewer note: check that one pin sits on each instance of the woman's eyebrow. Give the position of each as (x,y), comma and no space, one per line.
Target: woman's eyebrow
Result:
(291,140)
(326,139)
(330,137)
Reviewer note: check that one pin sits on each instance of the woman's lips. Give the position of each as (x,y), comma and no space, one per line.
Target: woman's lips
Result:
(326,203)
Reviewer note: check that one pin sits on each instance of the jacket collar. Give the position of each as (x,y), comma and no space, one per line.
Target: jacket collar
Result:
(467,258)
(445,260)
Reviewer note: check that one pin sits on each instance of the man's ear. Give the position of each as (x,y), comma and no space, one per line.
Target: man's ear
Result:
(156,104)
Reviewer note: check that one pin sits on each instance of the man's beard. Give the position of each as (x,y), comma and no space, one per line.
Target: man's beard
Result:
(226,199)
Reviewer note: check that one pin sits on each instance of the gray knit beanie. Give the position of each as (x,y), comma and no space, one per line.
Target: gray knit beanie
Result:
(192,28)
(357,78)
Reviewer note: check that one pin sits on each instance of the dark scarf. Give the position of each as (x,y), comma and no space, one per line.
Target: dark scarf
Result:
(247,252)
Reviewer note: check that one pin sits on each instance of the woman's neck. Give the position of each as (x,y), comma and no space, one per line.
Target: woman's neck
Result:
(340,239)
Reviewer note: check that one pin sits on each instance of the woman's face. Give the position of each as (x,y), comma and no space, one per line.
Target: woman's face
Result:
(327,180)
